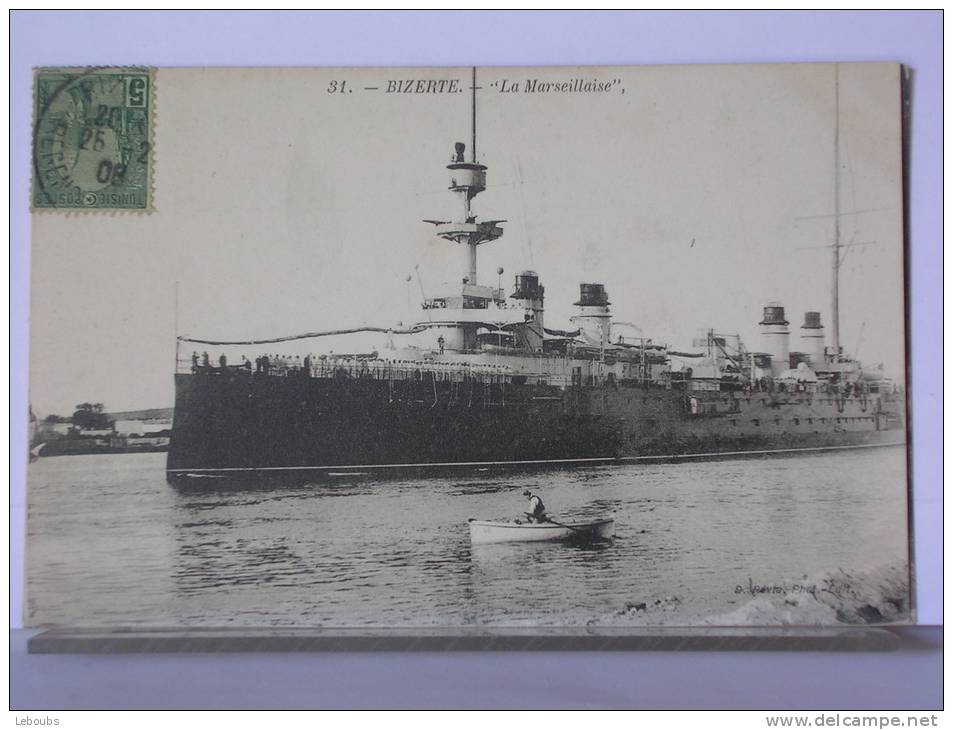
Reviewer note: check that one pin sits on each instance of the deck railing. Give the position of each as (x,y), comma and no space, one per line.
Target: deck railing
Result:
(371,369)
(429,371)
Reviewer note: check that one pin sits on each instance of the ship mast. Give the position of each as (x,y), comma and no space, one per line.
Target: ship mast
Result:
(468,179)
(834,353)
(836,246)
(473,91)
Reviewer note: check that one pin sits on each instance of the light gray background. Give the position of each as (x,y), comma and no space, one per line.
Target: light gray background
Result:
(484,38)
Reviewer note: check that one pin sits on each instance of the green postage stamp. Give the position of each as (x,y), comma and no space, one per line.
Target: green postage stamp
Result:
(92,139)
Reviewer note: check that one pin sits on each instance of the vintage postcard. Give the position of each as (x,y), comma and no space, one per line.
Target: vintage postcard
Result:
(448,347)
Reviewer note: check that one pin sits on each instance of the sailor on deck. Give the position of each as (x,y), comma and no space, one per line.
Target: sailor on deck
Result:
(537,510)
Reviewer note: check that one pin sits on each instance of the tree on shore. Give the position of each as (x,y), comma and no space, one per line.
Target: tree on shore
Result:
(90,416)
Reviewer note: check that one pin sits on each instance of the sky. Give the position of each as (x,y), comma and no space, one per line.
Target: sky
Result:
(696,194)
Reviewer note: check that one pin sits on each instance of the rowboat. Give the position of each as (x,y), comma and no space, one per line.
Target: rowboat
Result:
(483,531)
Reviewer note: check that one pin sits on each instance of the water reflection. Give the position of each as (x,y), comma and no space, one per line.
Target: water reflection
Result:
(360,550)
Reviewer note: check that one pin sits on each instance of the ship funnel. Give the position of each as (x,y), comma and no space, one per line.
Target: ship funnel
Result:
(592,295)
(775,337)
(528,292)
(812,339)
(527,286)
(594,319)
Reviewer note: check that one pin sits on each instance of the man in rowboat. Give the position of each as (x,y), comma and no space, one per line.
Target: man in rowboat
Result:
(537,510)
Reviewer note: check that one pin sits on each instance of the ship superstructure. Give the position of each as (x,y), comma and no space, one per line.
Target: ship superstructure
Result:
(480,379)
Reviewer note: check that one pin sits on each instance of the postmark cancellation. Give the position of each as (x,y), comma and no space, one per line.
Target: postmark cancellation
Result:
(93,139)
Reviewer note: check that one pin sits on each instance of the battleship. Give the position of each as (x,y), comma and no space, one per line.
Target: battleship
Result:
(482,379)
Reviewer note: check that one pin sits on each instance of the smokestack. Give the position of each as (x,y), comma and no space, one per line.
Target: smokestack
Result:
(592,295)
(529,292)
(593,319)
(775,337)
(812,339)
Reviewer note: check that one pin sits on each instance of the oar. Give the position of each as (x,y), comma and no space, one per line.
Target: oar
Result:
(551,521)
(590,534)
(568,527)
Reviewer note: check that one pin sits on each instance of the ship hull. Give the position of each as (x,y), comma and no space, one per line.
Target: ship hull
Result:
(243,422)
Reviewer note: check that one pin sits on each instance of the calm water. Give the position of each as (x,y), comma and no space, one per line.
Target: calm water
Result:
(111,542)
